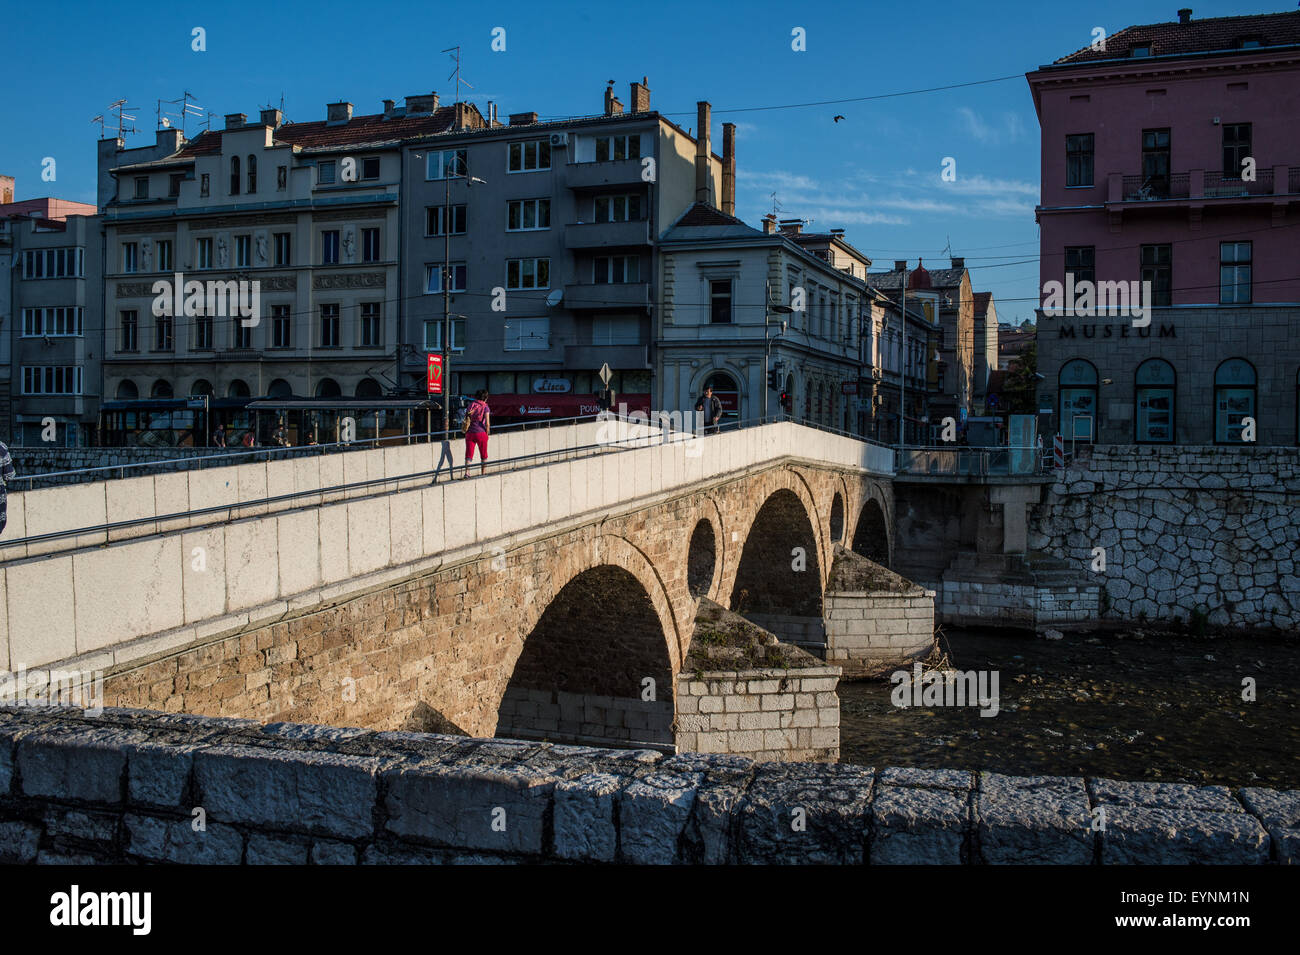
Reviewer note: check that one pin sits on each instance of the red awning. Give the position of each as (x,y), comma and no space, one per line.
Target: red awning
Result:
(560,406)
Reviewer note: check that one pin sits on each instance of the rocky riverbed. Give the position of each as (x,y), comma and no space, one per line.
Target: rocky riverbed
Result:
(1139,704)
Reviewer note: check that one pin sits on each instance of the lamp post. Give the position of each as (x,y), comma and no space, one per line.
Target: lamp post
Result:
(902,372)
(447,279)
(767,342)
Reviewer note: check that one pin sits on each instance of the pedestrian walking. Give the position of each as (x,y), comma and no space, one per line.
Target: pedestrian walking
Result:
(219,436)
(279,438)
(248,441)
(478,424)
(711,405)
(7,474)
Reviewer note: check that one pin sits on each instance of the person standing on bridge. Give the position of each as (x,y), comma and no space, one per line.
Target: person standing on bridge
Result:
(711,405)
(7,474)
(219,437)
(478,424)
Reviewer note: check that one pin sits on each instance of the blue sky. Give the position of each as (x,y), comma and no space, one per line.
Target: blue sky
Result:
(875,174)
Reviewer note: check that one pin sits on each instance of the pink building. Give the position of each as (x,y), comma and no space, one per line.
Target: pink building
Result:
(1171,155)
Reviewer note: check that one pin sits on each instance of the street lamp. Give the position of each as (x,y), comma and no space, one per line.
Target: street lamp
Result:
(779,309)
(446,285)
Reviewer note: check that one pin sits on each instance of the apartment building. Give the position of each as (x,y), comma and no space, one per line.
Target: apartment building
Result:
(307,213)
(1171,158)
(50,332)
(548,235)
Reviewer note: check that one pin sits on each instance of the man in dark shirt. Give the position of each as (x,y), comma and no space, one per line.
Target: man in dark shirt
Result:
(711,405)
(7,474)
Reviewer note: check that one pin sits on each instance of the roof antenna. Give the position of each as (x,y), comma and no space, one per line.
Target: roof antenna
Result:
(459,82)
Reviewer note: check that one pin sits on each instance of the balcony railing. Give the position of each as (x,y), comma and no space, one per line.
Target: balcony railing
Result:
(1149,188)
(1219,184)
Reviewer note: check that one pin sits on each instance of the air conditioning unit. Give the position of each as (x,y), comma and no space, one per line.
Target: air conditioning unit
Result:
(559,140)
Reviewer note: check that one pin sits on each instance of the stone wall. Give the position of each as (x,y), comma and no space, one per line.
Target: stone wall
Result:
(36,461)
(1186,531)
(874,616)
(767,713)
(590,718)
(132,786)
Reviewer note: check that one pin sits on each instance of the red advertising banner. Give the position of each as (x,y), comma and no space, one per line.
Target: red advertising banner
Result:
(435,374)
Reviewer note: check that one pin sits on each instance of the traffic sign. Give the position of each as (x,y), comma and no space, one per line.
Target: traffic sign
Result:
(435,374)
(606,374)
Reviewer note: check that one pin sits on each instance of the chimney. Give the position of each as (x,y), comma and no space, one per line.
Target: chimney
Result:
(1185,15)
(6,189)
(958,262)
(729,168)
(641,95)
(168,140)
(421,105)
(337,113)
(702,179)
(272,117)
(389,108)
(837,233)
(900,265)
(612,106)
(522,119)
(235,120)
(769,224)
(791,226)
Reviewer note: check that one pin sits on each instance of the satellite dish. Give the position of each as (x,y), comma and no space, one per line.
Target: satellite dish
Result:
(556,296)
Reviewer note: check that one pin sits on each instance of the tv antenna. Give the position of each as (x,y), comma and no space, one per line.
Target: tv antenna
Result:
(776,206)
(947,249)
(125,122)
(455,51)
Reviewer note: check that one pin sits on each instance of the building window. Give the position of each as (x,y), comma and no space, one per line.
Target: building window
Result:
(283,249)
(370,167)
(617,208)
(616,330)
(234,175)
(329,326)
(53,263)
(329,247)
(1158,269)
(616,269)
(433,277)
(719,301)
(448,163)
(252,174)
(204,189)
(1080,262)
(130,256)
(1144,50)
(1155,402)
(1155,161)
(528,334)
(529,156)
(59,322)
(618,147)
(281,327)
(243,334)
(1234,399)
(527,215)
(174,184)
(52,379)
(164,247)
(243,249)
(528,273)
(370,245)
(1078,160)
(1234,273)
(371,330)
(202,333)
(281,178)
(130,331)
(142,187)
(204,250)
(325,173)
(1078,385)
(433,335)
(434,216)
(162,333)
(1236,147)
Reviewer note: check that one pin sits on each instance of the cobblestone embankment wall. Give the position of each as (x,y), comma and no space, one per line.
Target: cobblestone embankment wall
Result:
(1186,531)
(132,786)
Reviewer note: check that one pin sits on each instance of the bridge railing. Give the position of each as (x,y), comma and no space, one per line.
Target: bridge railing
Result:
(975,462)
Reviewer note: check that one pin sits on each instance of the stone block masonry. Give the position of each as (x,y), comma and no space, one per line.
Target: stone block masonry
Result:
(874,617)
(124,787)
(1187,531)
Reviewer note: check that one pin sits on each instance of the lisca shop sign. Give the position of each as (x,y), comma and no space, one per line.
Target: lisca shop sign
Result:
(1120,330)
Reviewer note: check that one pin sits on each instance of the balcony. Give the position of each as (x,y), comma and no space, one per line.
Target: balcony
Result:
(597,175)
(616,296)
(606,235)
(623,357)
(1200,184)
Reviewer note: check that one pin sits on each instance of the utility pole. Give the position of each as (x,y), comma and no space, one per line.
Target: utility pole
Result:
(446,298)
(902,375)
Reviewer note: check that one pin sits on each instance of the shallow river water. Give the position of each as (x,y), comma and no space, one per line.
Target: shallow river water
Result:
(1137,705)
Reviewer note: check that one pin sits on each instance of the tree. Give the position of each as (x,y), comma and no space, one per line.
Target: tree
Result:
(1020,388)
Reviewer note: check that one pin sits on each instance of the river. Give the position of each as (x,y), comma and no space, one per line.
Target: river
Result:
(1137,705)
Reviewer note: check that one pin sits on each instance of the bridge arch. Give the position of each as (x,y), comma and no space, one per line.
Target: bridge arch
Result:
(871,536)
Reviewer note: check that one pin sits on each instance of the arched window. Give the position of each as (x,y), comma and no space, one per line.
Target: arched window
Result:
(234,175)
(1078,385)
(161,389)
(127,390)
(201,387)
(279,389)
(1154,399)
(237,389)
(368,388)
(328,388)
(1234,399)
(252,174)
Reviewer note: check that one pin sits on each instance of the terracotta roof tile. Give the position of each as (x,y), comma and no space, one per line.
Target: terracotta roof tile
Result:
(1195,36)
(359,130)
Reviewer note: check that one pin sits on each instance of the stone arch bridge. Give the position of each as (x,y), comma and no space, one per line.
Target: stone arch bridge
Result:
(556,597)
